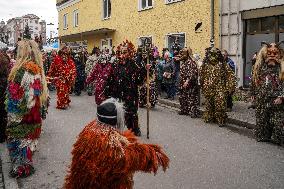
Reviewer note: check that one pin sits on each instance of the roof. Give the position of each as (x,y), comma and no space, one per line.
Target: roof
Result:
(32,16)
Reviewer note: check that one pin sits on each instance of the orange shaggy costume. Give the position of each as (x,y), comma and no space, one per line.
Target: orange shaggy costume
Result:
(103,158)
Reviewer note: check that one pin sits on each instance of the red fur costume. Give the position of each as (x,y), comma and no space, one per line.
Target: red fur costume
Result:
(64,74)
(103,158)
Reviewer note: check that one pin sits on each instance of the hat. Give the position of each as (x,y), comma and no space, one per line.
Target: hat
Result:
(107,113)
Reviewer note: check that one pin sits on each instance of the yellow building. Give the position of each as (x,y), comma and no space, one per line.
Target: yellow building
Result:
(108,22)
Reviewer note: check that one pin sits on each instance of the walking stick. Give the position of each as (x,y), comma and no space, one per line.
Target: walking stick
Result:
(148,96)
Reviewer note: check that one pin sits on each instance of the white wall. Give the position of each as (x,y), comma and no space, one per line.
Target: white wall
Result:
(255,4)
(232,27)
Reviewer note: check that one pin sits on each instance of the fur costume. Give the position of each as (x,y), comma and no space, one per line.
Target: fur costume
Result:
(123,84)
(4,72)
(153,98)
(26,104)
(188,84)
(217,80)
(106,158)
(90,64)
(63,73)
(99,76)
(80,74)
(267,87)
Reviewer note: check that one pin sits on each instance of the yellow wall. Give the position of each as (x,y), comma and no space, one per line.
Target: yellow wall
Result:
(157,22)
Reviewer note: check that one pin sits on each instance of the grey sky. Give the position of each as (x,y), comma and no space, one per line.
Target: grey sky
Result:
(45,9)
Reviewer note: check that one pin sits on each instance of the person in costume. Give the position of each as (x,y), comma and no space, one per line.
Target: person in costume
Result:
(26,104)
(188,84)
(105,156)
(80,72)
(123,84)
(268,93)
(153,98)
(217,80)
(4,72)
(62,73)
(99,76)
(90,64)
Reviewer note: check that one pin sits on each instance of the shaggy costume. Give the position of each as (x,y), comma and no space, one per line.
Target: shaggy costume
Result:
(99,76)
(104,157)
(80,73)
(153,98)
(267,86)
(26,108)
(123,84)
(217,81)
(188,85)
(90,64)
(64,74)
(4,72)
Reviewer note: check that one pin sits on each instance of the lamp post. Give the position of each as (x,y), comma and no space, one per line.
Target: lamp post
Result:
(146,47)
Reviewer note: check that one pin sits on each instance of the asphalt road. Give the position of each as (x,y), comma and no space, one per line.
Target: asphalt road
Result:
(203,156)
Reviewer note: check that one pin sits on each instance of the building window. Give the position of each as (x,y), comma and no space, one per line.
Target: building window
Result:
(106,44)
(106,9)
(145,39)
(76,18)
(175,39)
(65,21)
(36,21)
(281,23)
(172,1)
(268,24)
(145,4)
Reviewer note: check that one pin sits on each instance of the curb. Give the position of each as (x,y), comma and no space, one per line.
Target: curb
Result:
(231,120)
(9,183)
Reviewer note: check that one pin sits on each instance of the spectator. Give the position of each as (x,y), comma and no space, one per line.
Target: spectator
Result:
(169,76)
(231,64)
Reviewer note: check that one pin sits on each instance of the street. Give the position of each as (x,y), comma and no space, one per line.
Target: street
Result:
(202,156)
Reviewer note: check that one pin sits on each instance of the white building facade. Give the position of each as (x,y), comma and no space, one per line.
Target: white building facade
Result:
(243,25)
(15,28)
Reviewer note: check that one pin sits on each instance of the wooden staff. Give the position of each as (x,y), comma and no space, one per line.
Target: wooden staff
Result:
(148,95)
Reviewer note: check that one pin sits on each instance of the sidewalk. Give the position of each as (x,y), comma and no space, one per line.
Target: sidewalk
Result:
(1,176)
(6,182)
(240,115)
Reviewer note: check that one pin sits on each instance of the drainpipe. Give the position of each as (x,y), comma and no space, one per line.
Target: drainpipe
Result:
(220,20)
(212,23)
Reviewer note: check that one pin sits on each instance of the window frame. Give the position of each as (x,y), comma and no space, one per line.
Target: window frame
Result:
(144,36)
(170,34)
(103,13)
(173,1)
(147,7)
(76,18)
(65,21)
(109,43)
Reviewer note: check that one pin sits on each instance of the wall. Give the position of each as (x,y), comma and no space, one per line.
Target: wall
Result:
(256,4)
(130,23)
(232,27)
